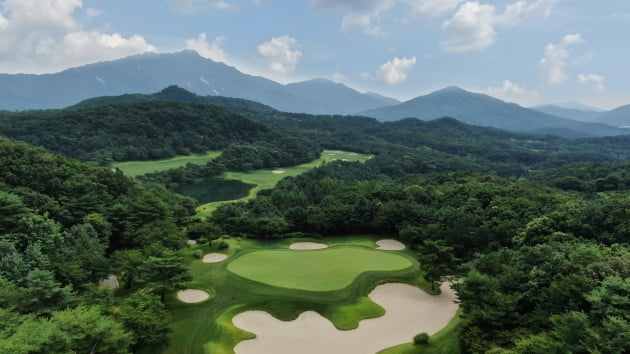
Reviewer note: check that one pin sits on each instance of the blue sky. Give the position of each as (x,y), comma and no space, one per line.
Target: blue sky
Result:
(525,51)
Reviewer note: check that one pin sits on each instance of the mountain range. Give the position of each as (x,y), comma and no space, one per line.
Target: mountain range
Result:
(151,72)
(147,73)
(483,110)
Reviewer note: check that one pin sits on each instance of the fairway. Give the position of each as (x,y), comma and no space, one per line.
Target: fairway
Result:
(319,270)
(137,168)
(266,179)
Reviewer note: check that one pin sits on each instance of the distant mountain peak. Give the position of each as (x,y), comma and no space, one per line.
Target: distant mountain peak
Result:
(452,89)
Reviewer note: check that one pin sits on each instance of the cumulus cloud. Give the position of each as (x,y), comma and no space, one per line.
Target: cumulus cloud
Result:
(206,49)
(513,92)
(43,36)
(361,15)
(282,54)
(432,8)
(395,71)
(473,26)
(598,80)
(555,60)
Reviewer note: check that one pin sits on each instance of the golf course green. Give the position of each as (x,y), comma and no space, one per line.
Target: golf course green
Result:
(317,270)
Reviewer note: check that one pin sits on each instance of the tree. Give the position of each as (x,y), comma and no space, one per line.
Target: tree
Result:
(164,274)
(145,315)
(87,330)
(127,265)
(437,260)
(43,294)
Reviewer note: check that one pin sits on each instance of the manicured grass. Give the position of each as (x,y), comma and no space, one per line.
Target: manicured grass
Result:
(317,270)
(137,168)
(207,327)
(266,179)
(443,342)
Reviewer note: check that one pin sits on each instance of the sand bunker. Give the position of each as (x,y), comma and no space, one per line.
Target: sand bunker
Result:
(278,172)
(307,246)
(409,311)
(214,257)
(192,296)
(191,242)
(110,282)
(390,245)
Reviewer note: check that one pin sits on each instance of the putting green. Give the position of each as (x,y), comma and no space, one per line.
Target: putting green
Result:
(318,270)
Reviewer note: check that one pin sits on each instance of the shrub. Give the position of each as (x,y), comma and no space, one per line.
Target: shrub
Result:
(198,254)
(422,338)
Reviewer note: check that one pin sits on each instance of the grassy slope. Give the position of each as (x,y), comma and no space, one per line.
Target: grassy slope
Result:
(137,168)
(207,328)
(318,270)
(266,179)
(443,342)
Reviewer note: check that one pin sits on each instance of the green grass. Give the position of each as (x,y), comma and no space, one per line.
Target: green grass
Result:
(443,342)
(137,168)
(316,270)
(266,179)
(207,327)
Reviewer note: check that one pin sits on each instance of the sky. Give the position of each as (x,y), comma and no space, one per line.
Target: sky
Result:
(525,51)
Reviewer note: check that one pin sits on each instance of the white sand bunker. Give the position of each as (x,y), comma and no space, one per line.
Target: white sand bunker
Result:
(214,257)
(278,172)
(307,246)
(111,282)
(409,311)
(191,242)
(192,296)
(390,245)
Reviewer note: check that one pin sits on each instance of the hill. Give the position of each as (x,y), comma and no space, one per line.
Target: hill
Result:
(150,72)
(483,110)
(140,130)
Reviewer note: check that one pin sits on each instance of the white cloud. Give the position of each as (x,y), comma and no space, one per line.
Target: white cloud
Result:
(555,60)
(395,71)
(432,8)
(40,36)
(209,50)
(473,27)
(361,15)
(513,92)
(282,53)
(598,80)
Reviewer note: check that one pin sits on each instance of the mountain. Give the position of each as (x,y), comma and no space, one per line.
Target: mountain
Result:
(150,72)
(619,117)
(483,110)
(571,113)
(332,97)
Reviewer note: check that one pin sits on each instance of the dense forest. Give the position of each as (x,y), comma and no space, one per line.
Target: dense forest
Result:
(536,226)
(63,227)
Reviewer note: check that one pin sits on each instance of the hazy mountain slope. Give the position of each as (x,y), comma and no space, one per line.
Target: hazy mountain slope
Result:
(335,97)
(575,114)
(619,117)
(151,72)
(483,110)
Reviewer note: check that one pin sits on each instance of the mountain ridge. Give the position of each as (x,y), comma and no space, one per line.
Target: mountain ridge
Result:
(484,110)
(150,72)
